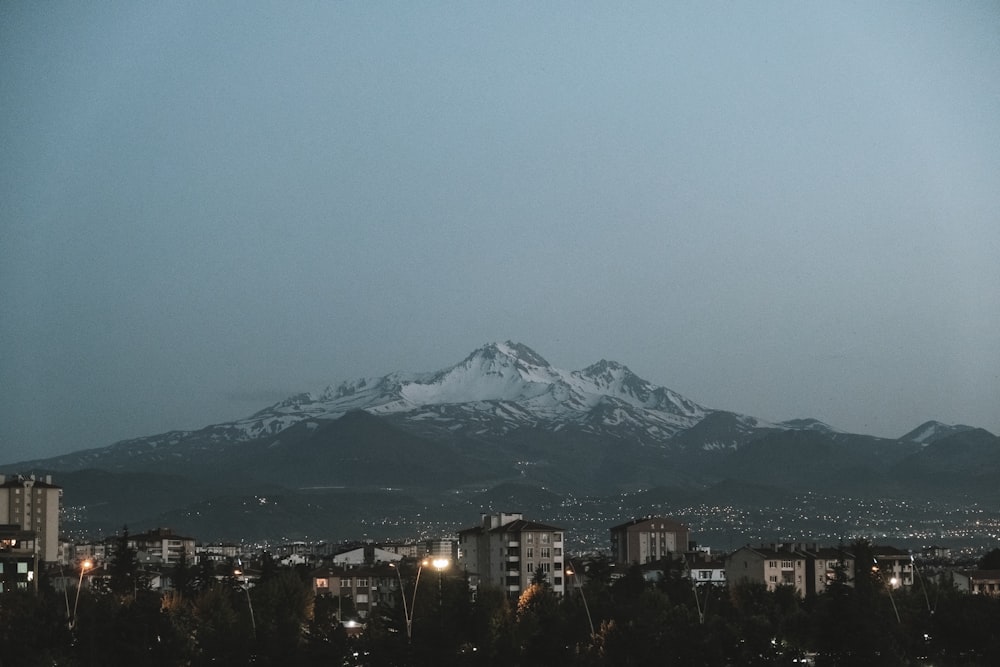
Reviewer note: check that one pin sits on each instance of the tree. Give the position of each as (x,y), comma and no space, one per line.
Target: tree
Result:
(223,636)
(991,561)
(124,568)
(184,576)
(283,606)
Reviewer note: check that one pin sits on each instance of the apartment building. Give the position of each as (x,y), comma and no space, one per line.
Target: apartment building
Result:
(773,566)
(978,582)
(365,587)
(648,540)
(893,565)
(162,546)
(33,504)
(809,568)
(824,565)
(18,559)
(506,551)
(703,568)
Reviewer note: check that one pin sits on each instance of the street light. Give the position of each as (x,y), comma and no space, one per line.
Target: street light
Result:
(439,564)
(570,572)
(84,566)
(246,587)
(892,583)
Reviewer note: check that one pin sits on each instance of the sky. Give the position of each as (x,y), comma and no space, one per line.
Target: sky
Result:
(784,209)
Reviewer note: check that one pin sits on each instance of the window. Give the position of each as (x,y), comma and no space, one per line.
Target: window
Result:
(557,537)
(545,538)
(773,579)
(557,581)
(531,538)
(558,565)
(546,567)
(530,552)
(558,551)
(786,564)
(322,583)
(546,552)
(362,583)
(345,582)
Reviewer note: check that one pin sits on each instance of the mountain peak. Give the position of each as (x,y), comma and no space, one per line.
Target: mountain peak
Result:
(607,369)
(932,430)
(518,352)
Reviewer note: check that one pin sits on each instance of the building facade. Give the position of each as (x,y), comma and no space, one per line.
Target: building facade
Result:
(33,504)
(506,552)
(772,566)
(366,587)
(648,540)
(978,582)
(18,559)
(809,568)
(162,546)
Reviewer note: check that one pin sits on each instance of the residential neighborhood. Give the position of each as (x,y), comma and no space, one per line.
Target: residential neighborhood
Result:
(359,590)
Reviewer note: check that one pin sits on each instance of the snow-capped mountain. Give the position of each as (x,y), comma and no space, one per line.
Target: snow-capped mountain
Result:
(502,415)
(932,431)
(498,390)
(501,387)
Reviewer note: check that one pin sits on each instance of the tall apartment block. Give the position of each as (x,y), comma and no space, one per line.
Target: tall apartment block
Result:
(648,540)
(506,552)
(33,504)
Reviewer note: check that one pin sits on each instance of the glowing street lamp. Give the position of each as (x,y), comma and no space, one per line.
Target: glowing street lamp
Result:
(570,572)
(893,582)
(246,587)
(84,566)
(439,564)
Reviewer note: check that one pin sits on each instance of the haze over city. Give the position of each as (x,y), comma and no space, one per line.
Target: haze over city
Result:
(779,209)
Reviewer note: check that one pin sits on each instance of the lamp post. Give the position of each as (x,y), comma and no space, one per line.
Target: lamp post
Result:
(84,566)
(927,600)
(246,588)
(439,564)
(697,600)
(892,583)
(570,572)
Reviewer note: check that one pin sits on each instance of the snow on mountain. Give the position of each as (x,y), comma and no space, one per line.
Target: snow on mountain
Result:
(930,431)
(502,386)
(808,425)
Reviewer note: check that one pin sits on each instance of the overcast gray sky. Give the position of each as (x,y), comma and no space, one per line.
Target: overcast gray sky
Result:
(783,209)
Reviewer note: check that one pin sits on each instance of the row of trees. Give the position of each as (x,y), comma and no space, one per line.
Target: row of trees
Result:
(215,620)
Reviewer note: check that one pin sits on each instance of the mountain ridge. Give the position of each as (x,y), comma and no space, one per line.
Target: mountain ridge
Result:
(501,418)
